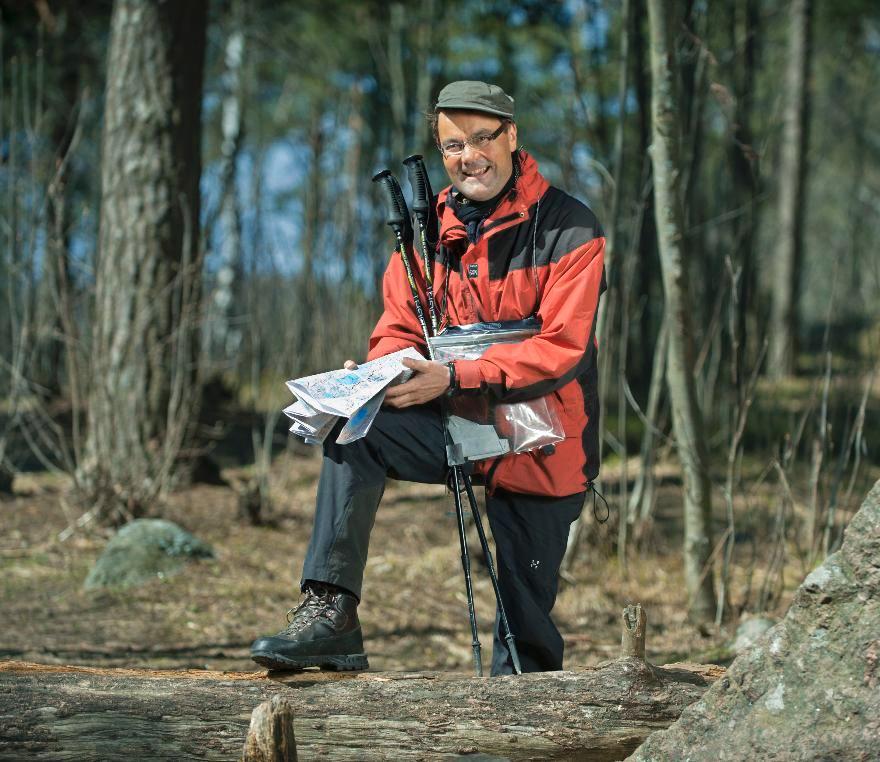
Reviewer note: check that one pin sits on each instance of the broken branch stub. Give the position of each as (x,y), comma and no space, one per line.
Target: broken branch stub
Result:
(270,737)
(632,641)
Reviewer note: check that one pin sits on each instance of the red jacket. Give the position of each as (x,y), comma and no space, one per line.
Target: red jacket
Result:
(494,279)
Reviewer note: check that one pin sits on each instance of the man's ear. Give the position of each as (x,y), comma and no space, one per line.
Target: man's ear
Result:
(511,136)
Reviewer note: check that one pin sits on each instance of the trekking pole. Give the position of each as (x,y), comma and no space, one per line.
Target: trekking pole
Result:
(457,477)
(484,544)
(423,198)
(423,202)
(399,221)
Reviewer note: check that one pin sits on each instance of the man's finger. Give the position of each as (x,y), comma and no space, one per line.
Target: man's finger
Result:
(400,401)
(416,364)
(350,365)
(395,391)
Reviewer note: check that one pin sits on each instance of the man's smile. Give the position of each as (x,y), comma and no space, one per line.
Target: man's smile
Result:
(476,181)
(475,172)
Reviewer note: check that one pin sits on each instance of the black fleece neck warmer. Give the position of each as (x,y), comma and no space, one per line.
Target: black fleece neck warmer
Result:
(472,213)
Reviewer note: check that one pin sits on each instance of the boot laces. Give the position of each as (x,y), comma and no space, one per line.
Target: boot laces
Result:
(315,605)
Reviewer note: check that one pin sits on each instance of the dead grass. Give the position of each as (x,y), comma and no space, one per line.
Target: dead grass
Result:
(414,611)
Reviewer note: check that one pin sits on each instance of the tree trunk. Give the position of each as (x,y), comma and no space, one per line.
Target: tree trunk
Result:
(307,286)
(647,273)
(85,714)
(642,497)
(147,278)
(618,282)
(792,175)
(686,415)
(225,337)
(425,48)
(397,80)
(348,214)
(64,122)
(746,176)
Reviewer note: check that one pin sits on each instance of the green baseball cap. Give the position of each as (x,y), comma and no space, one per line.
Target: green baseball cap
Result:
(475,96)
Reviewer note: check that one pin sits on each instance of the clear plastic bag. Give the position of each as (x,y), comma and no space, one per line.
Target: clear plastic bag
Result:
(529,425)
(520,426)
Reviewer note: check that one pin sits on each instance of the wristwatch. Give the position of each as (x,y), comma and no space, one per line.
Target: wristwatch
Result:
(453,381)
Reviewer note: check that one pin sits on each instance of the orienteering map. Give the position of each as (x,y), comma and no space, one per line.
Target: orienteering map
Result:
(324,398)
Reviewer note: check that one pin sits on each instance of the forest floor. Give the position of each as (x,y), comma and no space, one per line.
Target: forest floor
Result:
(414,611)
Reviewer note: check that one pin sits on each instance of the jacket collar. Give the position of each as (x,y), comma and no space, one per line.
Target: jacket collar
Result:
(530,186)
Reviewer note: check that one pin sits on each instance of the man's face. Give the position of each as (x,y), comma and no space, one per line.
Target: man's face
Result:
(479,174)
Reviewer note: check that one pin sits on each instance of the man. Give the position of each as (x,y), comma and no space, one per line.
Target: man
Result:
(510,247)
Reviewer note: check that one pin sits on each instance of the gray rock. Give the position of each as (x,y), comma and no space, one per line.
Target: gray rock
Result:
(749,631)
(808,689)
(142,550)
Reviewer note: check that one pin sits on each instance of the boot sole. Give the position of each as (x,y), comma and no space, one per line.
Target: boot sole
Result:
(339,663)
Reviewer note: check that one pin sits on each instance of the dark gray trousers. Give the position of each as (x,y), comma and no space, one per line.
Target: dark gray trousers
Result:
(530,532)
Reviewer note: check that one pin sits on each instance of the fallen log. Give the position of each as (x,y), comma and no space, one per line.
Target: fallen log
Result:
(81,713)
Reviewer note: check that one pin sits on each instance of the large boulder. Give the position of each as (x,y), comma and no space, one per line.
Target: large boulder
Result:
(748,633)
(142,550)
(810,686)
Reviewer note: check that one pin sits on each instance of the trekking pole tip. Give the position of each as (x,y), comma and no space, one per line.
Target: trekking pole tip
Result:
(478,660)
(514,654)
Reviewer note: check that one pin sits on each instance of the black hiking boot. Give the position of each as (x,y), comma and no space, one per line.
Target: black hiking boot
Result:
(323,631)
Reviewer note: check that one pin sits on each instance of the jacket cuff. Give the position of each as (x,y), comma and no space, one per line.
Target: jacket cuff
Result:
(387,346)
(468,376)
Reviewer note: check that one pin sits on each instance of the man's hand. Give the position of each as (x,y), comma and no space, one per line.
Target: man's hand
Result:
(429,381)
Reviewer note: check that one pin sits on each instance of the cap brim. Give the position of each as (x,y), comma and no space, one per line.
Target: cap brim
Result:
(472,107)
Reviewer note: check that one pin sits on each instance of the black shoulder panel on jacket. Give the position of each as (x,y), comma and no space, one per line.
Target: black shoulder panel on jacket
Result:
(564,224)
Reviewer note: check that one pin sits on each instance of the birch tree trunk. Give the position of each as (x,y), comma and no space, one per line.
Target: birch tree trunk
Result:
(792,172)
(225,337)
(143,345)
(313,204)
(686,416)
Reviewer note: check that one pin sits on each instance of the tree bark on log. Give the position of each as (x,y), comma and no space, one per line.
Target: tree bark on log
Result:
(81,713)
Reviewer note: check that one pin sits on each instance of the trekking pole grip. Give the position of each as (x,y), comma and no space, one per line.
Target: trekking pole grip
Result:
(397,214)
(421,186)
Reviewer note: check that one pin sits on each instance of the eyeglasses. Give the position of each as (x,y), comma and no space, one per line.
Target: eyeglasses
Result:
(478,142)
